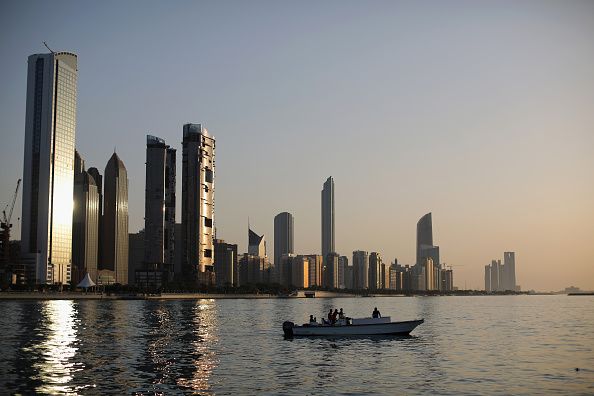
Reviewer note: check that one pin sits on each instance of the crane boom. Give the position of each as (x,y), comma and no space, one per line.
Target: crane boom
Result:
(14,197)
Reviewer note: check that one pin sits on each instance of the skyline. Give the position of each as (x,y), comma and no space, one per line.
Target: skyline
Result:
(547,222)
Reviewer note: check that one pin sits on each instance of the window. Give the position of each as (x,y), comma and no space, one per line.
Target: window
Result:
(208,222)
(207,252)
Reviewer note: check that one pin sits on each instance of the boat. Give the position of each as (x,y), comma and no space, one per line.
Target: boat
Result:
(351,327)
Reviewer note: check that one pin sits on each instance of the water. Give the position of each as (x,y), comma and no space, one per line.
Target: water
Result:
(467,345)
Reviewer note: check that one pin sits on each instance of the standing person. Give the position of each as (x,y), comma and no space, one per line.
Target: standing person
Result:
(330,316)
(376,314)
(334,315)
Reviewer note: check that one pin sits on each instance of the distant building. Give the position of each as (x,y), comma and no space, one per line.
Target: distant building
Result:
(375,264)
(252,270)
(284,269)
(385,276)
(447,280)
(488,278)
(509,271)
(300,272)
(495,272)
(316,270)
(360,270)
(48,167)
(330,271)
(85,223)
(115,220)
(328,217)
(283,235)
(343,263)
(136,258)
(501,277)
(198,174)
(256,244)
(99,183)
(159,207)
(225,263)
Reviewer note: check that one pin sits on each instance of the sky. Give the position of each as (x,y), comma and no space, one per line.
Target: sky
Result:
(479,112)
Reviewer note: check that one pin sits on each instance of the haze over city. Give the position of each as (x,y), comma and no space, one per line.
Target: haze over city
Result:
(411,108)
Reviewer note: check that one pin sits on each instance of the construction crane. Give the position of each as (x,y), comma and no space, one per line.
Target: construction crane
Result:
(5,226)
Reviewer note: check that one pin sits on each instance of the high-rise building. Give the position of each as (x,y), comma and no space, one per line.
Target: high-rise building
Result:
(487,278)
(330,272)
(85,223)
(360,270)
(328,217)
(424,235)
(495,273)
(316,270)
(283,235)
(252,270)
(159,207)
(375,263)
(300,272)
(115,220)
(136,260)
(256,244)
(343,280)
(198,173)
(48,171)
(99,183)
(509,265)
(284,269)
(225,263)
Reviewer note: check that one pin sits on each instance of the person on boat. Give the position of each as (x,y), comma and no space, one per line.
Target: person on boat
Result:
(311,319)
(334,316)
(330,316)
(376,314)
(341,314)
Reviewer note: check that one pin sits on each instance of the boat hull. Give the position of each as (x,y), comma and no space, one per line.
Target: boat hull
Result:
(393,328)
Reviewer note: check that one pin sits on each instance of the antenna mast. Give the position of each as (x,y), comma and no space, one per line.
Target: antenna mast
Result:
(47,46)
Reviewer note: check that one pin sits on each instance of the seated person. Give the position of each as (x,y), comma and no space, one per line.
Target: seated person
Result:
(341,314)
(376,314)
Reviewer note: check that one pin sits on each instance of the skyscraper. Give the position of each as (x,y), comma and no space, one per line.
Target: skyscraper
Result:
(85,223)
(283,236)
(509,269)
(256,244)
(115,220)
(99,183)
(487,278)
(375,263)
(225,263)
(360,270)
(48,172)
(424,237)
(159,208)
(198,172)
(328,217)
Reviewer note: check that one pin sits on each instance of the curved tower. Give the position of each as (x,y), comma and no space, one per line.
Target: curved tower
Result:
(115,220)
(424,235)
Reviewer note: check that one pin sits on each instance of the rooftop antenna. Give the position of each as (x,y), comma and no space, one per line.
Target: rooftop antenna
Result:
(47,46)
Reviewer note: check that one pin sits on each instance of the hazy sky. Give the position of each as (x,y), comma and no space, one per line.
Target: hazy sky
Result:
(480,112)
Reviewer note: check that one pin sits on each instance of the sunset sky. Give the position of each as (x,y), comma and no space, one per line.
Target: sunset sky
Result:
(479,112)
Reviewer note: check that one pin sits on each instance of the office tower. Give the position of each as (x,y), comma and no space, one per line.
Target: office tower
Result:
(256,244)
(284,269)
(48,168)
(360,270)
(495,273)
(447,280)
(488,278)
(283,235)
(316,270)
(159,206)
(385,276)
(85,223)
(509,265)
(136,260)
(300,272)
(225,263)
(343,263)
(328,217)
(115,220)
(99,183)
(348,277)
(375,263)
(425,247)
(426,275)
(198,168)
(252,269)
(396,278)
(330,272)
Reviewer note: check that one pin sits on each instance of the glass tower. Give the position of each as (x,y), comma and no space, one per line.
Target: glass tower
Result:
(48,171)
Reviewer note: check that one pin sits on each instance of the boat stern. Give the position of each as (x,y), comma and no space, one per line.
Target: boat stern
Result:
(288,329)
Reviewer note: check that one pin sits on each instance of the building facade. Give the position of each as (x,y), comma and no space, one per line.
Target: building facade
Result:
(225,263)
(48,171)
(328,217)
(159,207)
(85,223)
(360,270)
(198,173)
(283,235)
(115,220)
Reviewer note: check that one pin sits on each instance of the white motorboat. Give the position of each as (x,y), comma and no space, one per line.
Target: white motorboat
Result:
(352,327)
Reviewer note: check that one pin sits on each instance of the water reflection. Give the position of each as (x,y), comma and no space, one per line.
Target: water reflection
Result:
(54,364)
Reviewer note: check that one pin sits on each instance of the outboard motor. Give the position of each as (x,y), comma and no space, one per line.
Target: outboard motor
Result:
(288,329)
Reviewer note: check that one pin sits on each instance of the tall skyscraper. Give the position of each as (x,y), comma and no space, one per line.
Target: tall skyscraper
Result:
(328,217)
(159,208)
(331,274)
(425,246)
(48,172)
(509,265)
(99,183)
(198,173)
(115,220)
(487,278)
(375,264)
(256,244)
(283,236)
(360,270)
(85,223)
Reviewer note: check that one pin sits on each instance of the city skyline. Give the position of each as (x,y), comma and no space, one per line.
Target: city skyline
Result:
(522,202)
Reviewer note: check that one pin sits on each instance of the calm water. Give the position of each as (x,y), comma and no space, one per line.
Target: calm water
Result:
(468,345)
